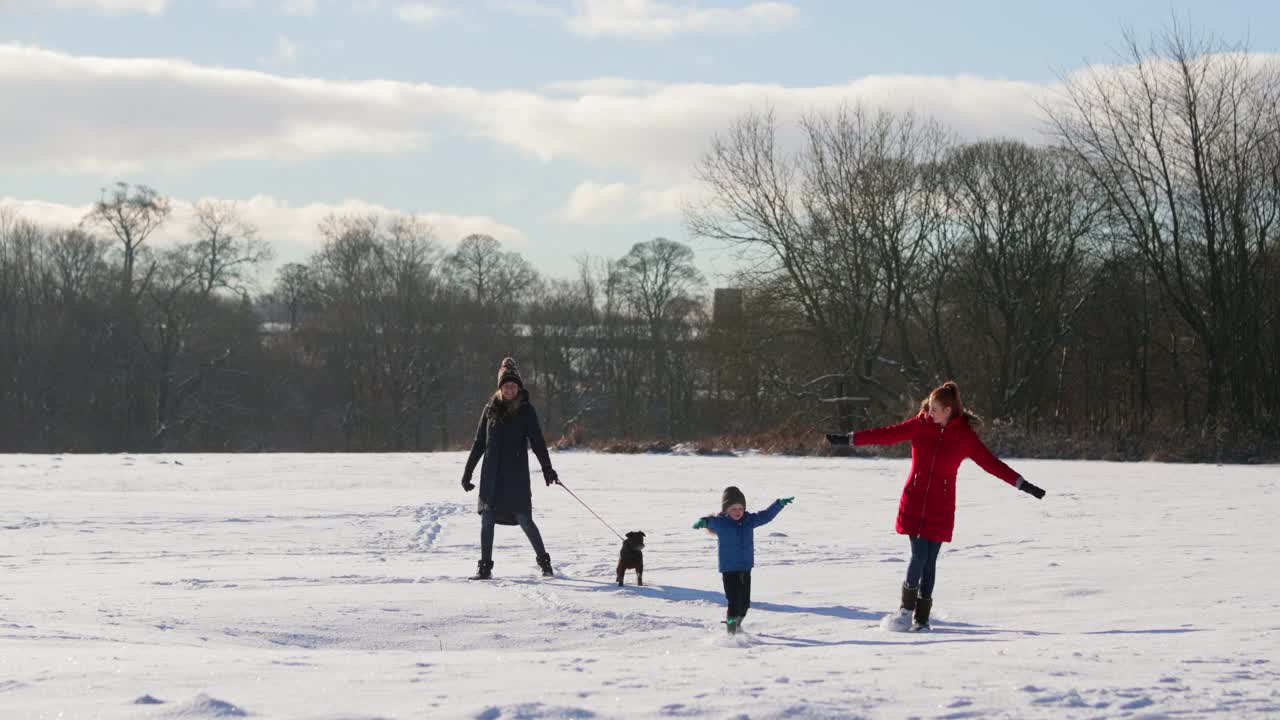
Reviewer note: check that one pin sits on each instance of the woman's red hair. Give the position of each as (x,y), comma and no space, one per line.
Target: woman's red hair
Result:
(948,395)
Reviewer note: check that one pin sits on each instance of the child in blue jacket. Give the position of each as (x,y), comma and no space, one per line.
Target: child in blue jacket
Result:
(734,528)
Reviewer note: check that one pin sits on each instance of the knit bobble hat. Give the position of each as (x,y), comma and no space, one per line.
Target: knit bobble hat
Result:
(732,496)
(507,373)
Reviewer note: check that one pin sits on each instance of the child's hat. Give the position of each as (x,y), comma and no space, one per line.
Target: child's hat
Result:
(732,496)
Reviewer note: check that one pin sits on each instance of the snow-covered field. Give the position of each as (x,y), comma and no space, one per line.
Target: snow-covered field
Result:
(334,586)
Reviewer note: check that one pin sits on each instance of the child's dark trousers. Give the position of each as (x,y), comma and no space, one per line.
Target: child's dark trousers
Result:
(737,590)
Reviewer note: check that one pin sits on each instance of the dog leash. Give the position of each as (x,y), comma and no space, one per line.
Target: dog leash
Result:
(593,512)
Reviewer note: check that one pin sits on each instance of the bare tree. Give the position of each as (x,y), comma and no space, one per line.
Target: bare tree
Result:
(1024,217)
(51,334)
(844,221)
(21,246)
(374,287)
(489,274)
(1182,140)
(659,280)
(473,264)
(172,304)
(131,214)
(189,286)
(78,257)
(227,248)
(513,277)
(293,283)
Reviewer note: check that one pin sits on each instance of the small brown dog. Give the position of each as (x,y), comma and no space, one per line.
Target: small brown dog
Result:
(632,557)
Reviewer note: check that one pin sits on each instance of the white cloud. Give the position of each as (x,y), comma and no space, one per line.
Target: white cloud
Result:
(49,214)
(530,8)
(301,8)
(593,203)
(423,14)
(604,86)
(106,7)
(658,133)
(106,115)
(654,19)
(290,228)
(112,116)
(286,51)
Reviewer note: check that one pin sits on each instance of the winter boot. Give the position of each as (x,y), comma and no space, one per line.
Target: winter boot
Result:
(909,597)
(544,562)
(733,625)
(484,570)
(902,621)
(923,606)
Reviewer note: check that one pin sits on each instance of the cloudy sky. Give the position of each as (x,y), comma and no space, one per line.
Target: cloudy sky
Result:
(560,127)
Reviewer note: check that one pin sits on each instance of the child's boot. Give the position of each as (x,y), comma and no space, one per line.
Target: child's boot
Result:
(731,624)
(544,562)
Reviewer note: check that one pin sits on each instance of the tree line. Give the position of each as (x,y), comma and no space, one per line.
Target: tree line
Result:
(1111,292)
(1116,286)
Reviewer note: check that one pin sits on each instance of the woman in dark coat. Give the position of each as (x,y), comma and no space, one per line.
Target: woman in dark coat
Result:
(942,435)
(508,428)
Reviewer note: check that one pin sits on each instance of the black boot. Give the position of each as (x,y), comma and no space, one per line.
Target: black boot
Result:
(484,570)
(923,606)
(544,562)
(908,598)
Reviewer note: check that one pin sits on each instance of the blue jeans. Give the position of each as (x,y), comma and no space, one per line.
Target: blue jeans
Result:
(526,523)
(922,569)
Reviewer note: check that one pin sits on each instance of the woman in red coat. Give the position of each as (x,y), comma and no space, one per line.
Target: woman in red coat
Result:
(942,435)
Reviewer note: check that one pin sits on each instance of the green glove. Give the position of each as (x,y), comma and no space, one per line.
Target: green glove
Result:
(702,522)
(785,501)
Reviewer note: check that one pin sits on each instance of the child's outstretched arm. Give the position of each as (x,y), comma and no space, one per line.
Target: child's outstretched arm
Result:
(769,513)
(703,524)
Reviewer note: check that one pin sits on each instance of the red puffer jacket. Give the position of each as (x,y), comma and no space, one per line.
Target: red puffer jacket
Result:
(928,505)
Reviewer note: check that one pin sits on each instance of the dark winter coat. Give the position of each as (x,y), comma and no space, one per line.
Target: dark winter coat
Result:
(503,439)
(928,504)
(737,537)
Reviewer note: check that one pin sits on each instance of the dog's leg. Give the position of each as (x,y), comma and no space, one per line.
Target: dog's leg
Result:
(640,573)
(621,572)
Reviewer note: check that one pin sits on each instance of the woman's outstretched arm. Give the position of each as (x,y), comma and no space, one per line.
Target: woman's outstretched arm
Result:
(887,435)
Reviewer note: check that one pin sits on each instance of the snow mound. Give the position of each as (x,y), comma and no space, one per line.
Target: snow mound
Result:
(533,711)
(204,706)
(895,622)
(740,639)
(805,711)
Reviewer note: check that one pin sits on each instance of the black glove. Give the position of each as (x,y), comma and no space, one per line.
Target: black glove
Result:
(1030,489)
(466,483)
(550,476)
(838,438)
